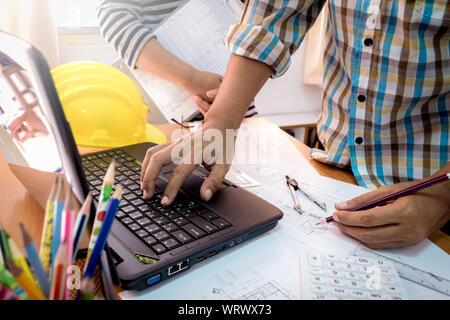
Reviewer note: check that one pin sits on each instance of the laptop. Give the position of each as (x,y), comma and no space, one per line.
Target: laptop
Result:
(149,242)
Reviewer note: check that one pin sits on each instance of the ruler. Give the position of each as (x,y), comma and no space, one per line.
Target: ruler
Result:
(410,273)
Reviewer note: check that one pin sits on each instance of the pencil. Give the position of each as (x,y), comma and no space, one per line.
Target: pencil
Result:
(4,243)
(80,224)
(35,262)
(47,232)
(7,279)
(105,194)
(104,232)
(57,290)
(67,222)
(58,208)
(28,286)
(11,251)
(396,195)
(19,258)
(68,219)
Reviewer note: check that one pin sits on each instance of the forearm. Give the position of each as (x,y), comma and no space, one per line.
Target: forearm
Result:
(444,187)
(155,59)
(242,81)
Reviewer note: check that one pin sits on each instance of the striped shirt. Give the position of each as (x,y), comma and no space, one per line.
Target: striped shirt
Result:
(386,101)
(128,25)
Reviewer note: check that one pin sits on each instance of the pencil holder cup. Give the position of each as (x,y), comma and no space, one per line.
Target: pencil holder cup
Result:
(80,262)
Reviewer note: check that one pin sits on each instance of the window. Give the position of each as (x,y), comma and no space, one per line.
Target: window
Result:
(75,16)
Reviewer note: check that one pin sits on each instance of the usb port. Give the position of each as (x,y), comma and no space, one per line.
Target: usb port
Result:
(201,258)
(213,253)
(153,280)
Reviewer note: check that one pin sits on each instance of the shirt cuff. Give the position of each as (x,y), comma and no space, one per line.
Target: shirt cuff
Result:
(257,43)
(136,50)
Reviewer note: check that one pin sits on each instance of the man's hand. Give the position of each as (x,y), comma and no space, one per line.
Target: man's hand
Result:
(188,154)
(403,222)
(244,78)
(204,105)
(202,82)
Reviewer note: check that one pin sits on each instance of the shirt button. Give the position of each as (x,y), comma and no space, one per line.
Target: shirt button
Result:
(368,42)
(359,140)
(361,98)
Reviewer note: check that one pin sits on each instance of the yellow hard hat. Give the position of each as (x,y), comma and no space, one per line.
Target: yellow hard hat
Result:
(103,106)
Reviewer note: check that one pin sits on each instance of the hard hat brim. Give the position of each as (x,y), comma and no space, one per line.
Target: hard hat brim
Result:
(154,135)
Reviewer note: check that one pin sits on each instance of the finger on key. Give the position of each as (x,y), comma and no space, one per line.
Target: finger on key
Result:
(151,151)
(214,181)
(155,165)
(179,174)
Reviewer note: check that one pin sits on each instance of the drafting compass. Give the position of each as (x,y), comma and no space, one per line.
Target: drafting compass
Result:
(293,185)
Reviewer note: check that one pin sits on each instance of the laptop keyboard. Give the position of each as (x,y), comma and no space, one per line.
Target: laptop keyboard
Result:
(162,228)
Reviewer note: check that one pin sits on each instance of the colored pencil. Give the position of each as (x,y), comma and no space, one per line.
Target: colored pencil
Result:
(80,224)
(57,290)
(19,258)
(7,279)
(4,243)
(57,213)
(47,231)
(68,220)
(35,262)
(104,232)
(396,195)
(105,194)
(28,286)
(67,223)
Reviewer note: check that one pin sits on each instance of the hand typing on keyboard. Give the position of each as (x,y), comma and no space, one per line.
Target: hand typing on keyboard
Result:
(161,228)
(189,151)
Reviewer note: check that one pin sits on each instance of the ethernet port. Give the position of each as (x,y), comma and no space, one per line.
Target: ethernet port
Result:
(174,269)
(184,264)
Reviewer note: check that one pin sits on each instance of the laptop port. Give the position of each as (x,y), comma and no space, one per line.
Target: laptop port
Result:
(152,280)
(173,269)
(184,264)
(201,258)
(178,267)
(213,253)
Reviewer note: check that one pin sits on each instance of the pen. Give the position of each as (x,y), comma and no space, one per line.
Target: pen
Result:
(393,196)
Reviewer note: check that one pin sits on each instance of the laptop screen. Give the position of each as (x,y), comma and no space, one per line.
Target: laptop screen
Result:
(34,131)
(27,135)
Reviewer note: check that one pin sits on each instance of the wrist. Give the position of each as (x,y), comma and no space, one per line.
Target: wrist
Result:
(189,78)
(215,118)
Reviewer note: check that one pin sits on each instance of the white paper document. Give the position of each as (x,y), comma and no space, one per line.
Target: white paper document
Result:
(195,33)
(267,267)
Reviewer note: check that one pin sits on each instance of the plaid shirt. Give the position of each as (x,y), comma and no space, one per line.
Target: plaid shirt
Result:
(386,101)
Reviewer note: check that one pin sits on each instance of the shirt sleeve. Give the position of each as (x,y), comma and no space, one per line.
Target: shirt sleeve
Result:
(121,24)
(270,31)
